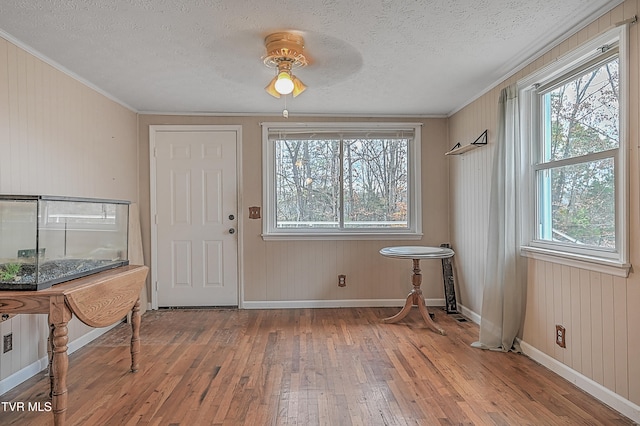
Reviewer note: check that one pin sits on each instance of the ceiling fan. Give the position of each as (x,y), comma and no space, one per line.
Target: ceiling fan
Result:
(285,51)
(333,61)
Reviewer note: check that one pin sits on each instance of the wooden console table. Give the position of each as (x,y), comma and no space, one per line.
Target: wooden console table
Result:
(97,300)
(416,253)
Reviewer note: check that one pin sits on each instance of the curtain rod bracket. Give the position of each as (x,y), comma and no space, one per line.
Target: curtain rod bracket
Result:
(631,20)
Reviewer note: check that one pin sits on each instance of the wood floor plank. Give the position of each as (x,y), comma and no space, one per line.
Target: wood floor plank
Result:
(306,367)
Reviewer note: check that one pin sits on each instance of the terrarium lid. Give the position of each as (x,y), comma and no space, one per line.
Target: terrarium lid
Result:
(23,197)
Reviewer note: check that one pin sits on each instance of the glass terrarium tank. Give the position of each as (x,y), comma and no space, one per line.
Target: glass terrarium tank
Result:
(47,240)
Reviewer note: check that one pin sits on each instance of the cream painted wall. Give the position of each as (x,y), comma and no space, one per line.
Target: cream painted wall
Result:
(57,137)
(307,270)
(600,312)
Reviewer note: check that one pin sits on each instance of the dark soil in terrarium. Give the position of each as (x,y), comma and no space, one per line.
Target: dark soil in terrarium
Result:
(54,270)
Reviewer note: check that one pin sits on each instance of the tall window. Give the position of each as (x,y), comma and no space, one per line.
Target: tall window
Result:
(576,171)
(574,114)
(328,179)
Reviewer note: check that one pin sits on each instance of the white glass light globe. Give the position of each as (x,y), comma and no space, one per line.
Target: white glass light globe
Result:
(284,84)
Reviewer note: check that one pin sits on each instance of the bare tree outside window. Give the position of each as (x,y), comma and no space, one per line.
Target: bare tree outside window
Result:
(341,183)
(581,120)
(375,186)
(307,183)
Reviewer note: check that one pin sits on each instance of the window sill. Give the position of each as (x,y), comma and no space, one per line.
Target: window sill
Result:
(606,266)
(281,236)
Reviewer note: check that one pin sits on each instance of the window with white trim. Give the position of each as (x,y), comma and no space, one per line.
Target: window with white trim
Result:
(573,116)
(341,180)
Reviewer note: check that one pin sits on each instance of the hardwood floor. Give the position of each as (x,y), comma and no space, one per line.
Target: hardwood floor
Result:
(306,366)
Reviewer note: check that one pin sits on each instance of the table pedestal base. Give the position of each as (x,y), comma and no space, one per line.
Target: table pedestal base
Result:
(415,298)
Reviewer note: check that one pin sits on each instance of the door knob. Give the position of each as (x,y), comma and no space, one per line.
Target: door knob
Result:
(232,231)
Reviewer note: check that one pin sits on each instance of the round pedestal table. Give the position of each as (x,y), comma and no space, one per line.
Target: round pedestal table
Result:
(416,254)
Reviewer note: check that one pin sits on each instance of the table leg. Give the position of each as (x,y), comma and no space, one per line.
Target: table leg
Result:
(50,354)
(135,335)
(403,313)
(59,317)
(415,298)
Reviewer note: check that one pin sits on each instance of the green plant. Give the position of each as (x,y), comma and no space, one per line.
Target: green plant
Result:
(9,271)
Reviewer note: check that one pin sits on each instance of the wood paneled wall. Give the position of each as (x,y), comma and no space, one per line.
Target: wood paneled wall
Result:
(57,137)
(600,312)
(283,271)
(470,182)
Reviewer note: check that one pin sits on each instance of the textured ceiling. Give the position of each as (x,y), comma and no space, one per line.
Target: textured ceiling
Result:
(370,57)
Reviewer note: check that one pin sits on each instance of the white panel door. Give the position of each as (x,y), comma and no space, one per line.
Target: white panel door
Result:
(196,217)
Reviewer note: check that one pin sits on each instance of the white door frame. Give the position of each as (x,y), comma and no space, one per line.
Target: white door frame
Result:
(155,128)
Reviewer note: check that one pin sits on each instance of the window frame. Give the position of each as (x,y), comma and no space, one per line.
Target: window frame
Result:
(414,210)
(609,261)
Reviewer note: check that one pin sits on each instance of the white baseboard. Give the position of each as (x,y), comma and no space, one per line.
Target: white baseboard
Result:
(34,368)
(595,389)
(468,313)
(344,303)
(22,375)
(89,337)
